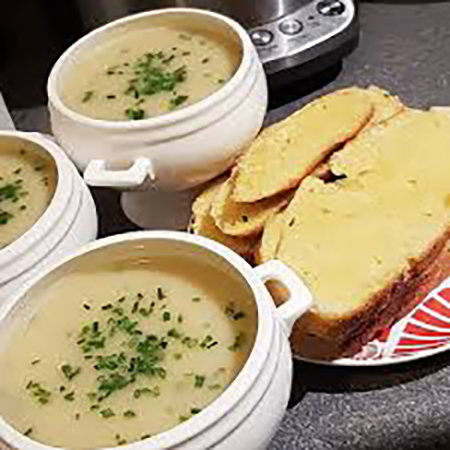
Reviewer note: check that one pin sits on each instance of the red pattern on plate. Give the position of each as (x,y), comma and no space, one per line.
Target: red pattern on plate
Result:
(426,328)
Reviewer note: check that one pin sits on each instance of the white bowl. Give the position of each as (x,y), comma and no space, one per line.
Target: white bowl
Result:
(69,222)
(174,151)
(246,415)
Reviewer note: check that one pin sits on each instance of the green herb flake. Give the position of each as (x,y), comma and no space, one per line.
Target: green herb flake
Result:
(38,392)
(28,432)
(177,356)
(180,318)
(183,418)
(5,217)
(195,411)
(35,361)
(173,332)
(160,294)
(177,101)
(185,37)
(135,113)
(107,413)
(152,392)
(70,396)
(129,414)
(199,381)
(87,96)
(120,440)
(232,313)
(17,171)
(69,371)
(146,436)
(196,299)
(239,341)
(189,342)
(166,316)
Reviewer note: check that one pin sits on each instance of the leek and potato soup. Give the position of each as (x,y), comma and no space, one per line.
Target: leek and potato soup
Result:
(124,353)
(149,72)
(28,179)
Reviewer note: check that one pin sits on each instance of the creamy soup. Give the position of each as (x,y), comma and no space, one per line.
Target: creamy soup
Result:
(27,183)
(126,352)
(149,72)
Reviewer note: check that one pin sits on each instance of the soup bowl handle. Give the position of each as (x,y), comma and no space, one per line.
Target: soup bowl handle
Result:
(299,297)
(97,174)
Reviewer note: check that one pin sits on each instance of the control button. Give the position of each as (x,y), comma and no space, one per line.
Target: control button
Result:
(330,7)
(261,37)
(290,27)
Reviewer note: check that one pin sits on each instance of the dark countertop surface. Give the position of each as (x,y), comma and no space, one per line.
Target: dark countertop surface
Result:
(404,47)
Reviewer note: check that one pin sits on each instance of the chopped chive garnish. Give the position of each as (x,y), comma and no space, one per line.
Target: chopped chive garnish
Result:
(199,381)
(195,410)
(238,342)
(35,361)
(160,294)
(38,392)
(86,306)
(166,316)
(87,96)
(70,372)
(70,397)
(196,299)
(129,414)
(28,431)
(173,332)
(107,413)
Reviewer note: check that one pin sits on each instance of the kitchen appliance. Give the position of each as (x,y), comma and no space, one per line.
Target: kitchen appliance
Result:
(294,38)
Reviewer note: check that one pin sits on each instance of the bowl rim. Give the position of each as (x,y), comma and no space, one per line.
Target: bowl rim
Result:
(248,54)
(60,199)
(228,399)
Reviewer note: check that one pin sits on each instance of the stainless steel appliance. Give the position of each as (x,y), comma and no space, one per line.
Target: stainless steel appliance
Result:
(304,36)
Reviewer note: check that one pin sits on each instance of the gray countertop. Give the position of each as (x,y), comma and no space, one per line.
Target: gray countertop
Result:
(404,47)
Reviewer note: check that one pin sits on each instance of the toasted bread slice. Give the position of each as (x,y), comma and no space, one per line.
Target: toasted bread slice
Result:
(285,153)
(362,242)
(203,224)
(243,219)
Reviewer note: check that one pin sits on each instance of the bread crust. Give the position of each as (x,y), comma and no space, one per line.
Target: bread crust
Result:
(314,337)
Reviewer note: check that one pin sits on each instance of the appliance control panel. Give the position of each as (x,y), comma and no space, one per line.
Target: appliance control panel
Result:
(313,25)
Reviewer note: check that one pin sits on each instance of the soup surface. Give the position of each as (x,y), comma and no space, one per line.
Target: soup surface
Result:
(125,353)
(149,72)
(27,183)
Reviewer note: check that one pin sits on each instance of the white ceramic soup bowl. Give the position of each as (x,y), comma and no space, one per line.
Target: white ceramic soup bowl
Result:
(69,221)
(173,151)
(246,415)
